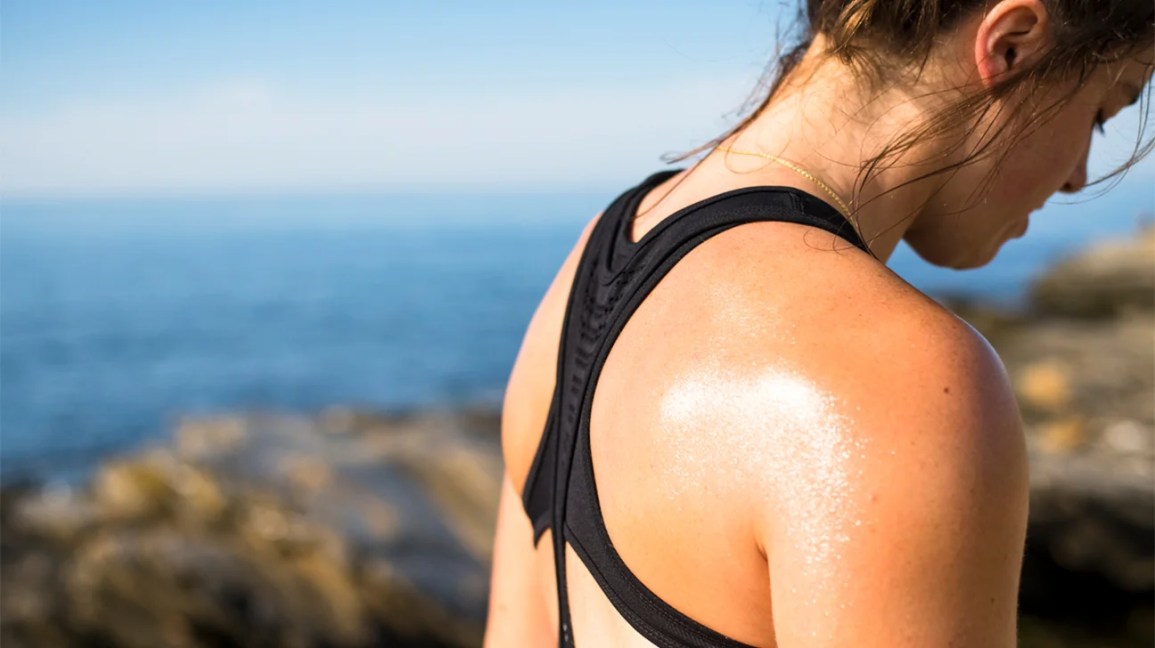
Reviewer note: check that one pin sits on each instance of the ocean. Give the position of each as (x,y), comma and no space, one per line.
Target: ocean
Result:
(119,316)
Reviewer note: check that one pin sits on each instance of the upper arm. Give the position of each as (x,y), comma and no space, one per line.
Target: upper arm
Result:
(517,614)
(911,533)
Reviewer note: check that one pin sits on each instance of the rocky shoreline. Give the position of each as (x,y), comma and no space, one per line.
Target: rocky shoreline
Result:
(360,529)
(346,529)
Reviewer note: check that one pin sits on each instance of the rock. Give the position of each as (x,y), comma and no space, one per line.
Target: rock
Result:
(1061,436)
(1108,279)
(1096,520)
(349,529)
(129,490)
(1129,437)
(201,498)
(1045,385)
(307,473)
(1102,370)
(197,438)
(157,587)
(56,512)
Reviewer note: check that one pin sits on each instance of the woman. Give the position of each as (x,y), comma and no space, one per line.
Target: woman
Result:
(794,447)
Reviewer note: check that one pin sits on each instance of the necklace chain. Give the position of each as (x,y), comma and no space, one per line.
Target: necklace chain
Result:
(797,169)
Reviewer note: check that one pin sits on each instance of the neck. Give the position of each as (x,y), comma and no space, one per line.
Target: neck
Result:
(822,122)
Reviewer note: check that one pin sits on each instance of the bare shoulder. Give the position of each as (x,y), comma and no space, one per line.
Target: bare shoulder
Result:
(892,354)
(893,364)
(891,498)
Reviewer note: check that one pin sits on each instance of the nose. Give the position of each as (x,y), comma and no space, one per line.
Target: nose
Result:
(1078,178)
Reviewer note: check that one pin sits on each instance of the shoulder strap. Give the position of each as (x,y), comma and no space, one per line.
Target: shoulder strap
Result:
(613,276)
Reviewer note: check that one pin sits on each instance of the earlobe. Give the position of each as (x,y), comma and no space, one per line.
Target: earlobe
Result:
(1010,33)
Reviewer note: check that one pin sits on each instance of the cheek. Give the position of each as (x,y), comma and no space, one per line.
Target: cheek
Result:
(1058,147)
(1020,186)
(1040,165)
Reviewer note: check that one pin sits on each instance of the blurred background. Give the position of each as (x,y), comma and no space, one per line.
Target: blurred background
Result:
(265,266)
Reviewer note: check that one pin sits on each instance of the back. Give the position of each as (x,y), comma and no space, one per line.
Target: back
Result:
(684,482)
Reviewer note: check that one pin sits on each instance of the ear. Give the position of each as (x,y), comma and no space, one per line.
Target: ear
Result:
(1011,33)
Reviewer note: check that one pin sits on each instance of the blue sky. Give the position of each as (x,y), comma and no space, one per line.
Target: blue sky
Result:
(145,97)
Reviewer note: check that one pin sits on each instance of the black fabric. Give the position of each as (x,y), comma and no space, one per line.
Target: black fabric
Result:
(613,276)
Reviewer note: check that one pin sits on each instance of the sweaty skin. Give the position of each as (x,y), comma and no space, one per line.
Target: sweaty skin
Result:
(742,462)
(777,429)
(791,445)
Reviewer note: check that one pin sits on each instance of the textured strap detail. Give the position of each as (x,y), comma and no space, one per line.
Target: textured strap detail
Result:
(613,277)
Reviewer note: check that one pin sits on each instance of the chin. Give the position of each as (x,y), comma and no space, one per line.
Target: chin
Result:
(955,258)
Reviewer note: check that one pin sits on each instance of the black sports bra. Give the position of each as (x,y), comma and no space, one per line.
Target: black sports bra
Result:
(613,276)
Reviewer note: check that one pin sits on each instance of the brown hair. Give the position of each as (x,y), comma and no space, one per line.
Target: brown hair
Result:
(882,40)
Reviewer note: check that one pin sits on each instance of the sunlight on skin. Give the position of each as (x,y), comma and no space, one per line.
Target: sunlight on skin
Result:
(777,428)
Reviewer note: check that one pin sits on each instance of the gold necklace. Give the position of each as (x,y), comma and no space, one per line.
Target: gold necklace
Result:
(797,169)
